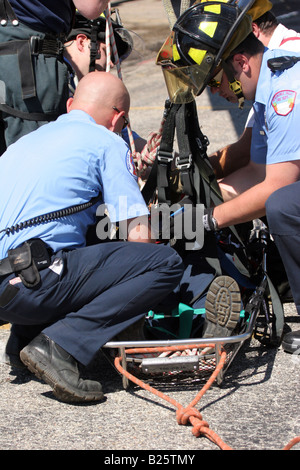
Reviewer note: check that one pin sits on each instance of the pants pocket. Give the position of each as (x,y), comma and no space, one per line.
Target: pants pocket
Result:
(8,295)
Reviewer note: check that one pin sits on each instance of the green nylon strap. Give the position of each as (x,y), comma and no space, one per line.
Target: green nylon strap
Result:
(185,313)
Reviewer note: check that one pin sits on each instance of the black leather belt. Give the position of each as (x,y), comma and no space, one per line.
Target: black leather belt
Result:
(5,267)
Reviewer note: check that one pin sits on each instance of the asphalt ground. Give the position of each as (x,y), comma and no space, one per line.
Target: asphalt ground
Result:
(257,405)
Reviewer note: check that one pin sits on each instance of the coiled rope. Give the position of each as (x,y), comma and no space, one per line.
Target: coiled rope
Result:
(187,415)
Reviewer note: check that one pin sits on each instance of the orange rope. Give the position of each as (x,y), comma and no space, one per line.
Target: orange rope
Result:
(189,414)
(292,443)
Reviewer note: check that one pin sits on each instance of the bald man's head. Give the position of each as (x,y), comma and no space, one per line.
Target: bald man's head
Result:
(98,93)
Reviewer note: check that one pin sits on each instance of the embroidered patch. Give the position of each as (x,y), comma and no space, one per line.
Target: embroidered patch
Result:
(130,164)
(284,101)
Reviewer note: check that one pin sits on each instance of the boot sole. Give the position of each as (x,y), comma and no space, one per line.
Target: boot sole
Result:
(62,390)
(222,307)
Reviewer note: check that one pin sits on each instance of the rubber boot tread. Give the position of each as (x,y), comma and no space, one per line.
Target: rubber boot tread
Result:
(222,307)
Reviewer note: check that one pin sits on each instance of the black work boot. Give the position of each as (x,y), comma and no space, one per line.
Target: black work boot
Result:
(51,363)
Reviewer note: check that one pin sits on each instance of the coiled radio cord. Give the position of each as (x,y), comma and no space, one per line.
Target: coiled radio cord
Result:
(50,216)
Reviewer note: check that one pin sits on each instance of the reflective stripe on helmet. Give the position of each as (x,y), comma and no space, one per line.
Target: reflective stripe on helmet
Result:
(197,55)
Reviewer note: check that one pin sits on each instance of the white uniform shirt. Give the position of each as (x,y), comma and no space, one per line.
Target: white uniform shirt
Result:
(282,38)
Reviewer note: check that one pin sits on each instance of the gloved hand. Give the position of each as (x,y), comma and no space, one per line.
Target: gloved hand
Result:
(209,222)
(186,221)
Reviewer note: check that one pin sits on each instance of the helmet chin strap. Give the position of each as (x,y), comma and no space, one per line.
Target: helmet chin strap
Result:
(94,47)
(234,85)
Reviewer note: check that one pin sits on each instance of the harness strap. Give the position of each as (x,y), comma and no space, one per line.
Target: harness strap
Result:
(25,49)
(28,116)
(184,159)
(198,178)
(94,47)
(165,155)
(22,49)
(7,13)
(159,174)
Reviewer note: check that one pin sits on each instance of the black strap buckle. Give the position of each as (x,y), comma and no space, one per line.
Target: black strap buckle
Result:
(184,163)
(48,46)
(35,45)
(164,156)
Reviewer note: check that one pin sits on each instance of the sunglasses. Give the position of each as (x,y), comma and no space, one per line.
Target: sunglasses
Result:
(126,122)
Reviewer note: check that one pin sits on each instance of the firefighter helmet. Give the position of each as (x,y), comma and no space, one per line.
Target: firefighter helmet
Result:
(203,37)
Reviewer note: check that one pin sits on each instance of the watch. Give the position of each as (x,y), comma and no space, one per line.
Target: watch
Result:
(209,222)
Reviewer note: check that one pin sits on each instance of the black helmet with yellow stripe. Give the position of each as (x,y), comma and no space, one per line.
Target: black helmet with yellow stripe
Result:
(201,40)
(200,32)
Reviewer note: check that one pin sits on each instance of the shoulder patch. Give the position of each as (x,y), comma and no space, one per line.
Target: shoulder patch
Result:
(283,102)
(130,164)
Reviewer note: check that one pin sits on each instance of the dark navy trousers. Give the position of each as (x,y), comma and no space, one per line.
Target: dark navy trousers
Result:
(91,294)
(283,214)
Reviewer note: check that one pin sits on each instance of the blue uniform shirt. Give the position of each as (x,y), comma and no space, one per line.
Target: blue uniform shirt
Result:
(277,113)
(61,164)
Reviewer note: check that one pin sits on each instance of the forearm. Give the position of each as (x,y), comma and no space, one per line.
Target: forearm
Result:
(227,160)
(90,9)
(139,230)
(244,208)
(251,204)
(232,157)
(242,180)
(217,162)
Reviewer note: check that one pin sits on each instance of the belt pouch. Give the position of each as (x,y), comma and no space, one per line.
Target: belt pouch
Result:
(23,265)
